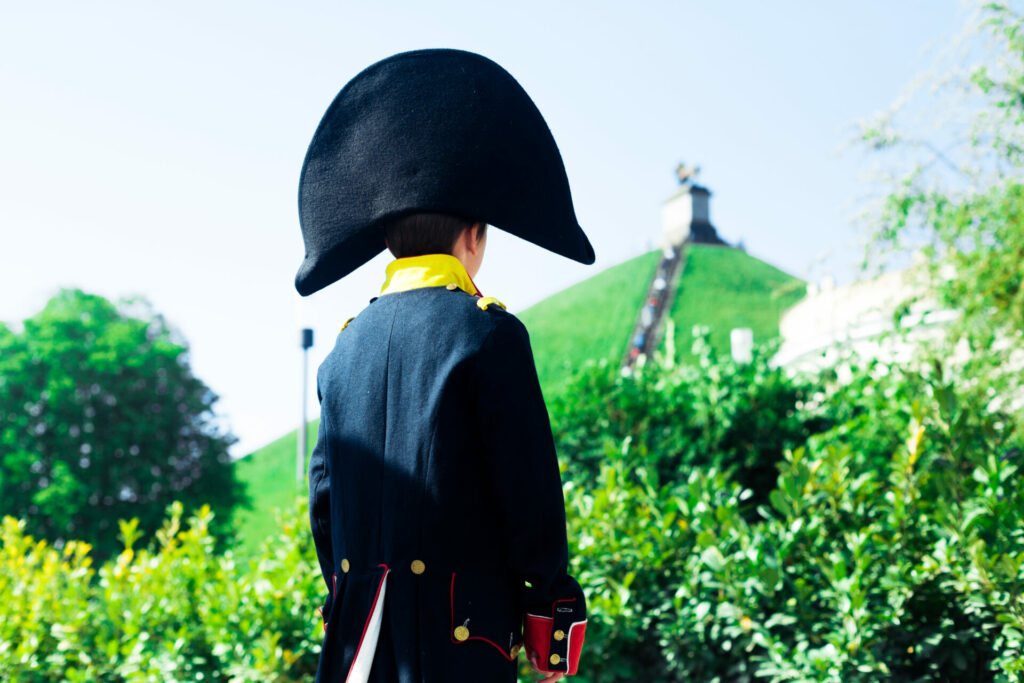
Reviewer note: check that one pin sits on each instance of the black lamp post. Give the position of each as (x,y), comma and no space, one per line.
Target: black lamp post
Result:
(300,457)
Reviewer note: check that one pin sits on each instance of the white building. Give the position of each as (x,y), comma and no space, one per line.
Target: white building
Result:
(831,320)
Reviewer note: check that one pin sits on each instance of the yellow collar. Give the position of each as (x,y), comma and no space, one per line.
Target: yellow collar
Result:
(429,270)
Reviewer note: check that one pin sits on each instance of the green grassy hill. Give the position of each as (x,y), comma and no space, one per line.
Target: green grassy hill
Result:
(590,320)
(269,476)
(723,288)
(720,287)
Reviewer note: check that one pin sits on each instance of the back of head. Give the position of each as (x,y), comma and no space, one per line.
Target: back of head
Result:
(426,233)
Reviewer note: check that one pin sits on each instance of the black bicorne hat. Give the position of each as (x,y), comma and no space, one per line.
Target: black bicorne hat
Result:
(443,131)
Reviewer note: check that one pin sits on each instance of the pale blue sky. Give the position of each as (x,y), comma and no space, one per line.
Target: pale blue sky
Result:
(154,148)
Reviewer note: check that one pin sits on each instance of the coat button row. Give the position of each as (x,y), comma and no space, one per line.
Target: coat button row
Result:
(417,566)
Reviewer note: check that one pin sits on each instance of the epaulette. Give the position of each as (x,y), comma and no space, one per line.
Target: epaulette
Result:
(486,301)
(346,324)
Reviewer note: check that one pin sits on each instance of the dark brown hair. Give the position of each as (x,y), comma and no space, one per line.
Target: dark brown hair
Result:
(426,233)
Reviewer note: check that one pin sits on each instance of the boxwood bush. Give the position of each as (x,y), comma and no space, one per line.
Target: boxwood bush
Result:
(727,522)
(173,612)
(889,547)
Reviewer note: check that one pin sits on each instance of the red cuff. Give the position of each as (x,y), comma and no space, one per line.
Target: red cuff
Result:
(550,649)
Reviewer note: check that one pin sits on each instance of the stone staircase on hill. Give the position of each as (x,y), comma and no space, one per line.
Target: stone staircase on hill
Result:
(686,218)
(658,301)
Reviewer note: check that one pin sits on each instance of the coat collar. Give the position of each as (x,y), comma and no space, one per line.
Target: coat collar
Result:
(429,270)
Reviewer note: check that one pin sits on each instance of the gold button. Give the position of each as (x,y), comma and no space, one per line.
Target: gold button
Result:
(345,565)
(418,567)
(555,659)
(451,286)
(515,651)
(559,634)
(461,633)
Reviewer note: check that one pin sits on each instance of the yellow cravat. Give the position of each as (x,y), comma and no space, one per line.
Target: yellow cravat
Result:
(429,270)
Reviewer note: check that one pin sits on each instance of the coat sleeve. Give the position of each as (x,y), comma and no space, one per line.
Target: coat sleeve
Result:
(320,507)
(523,470)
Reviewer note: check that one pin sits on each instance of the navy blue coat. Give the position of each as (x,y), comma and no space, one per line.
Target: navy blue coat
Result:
(435,467)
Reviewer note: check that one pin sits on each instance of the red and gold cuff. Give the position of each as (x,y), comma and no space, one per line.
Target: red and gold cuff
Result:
(553,643)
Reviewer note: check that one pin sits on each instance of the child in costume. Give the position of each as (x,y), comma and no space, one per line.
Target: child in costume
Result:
(435,497)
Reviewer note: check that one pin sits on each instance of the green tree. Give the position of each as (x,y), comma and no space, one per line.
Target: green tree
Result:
(102,419)
(955,190)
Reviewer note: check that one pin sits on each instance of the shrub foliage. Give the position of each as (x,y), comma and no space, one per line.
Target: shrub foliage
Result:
(890,545)
(177,611)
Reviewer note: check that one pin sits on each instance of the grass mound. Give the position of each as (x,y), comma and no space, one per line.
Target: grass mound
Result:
(269,477)
(724,288)
(590,320)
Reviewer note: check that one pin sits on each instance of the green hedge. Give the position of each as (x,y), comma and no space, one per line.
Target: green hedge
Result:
(887,545)
(891,546)
(178,612)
